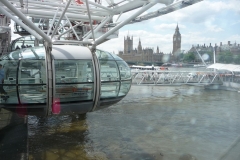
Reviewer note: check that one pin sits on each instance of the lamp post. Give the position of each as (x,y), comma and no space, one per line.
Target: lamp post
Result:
(214,54)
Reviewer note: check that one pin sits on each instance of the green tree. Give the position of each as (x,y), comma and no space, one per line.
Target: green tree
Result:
(228,57)
(225,57)
(221,57)
(189,57)
(180,57)
(237,59)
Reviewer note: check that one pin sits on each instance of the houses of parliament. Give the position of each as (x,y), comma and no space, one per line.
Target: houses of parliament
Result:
(144,55)
(141,54)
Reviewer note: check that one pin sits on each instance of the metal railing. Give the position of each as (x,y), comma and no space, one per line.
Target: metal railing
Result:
(153,77)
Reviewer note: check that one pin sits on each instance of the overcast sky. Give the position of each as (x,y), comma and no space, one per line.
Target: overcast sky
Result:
(209,21)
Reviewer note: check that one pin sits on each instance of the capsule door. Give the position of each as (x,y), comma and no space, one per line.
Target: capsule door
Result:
(32,82)
(74,85)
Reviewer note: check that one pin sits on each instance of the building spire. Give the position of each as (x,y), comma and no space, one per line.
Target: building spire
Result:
(157,50)
(177,30)
(139,45)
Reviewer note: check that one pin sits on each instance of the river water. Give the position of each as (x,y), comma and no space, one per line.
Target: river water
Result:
(150,123)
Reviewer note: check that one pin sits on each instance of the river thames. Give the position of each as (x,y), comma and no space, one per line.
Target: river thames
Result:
(150,123)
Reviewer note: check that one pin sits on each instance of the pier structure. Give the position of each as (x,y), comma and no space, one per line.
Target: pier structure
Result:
(166,77)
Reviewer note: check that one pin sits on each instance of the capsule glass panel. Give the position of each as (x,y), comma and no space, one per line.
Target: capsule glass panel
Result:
(25,76)
(74,80)
(104,55)
(125,87)
(24,42)
(115,75)
(109,70)
(109,77)
(32,82)
(109,90)
(125,72)
(10,68)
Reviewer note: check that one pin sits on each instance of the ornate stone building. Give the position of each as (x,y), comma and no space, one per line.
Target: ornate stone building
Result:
(128,45)
(139,54)
(202,49)
(147,54)
(233,48)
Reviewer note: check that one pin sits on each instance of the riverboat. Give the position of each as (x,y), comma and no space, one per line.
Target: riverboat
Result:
(199,65)
(136,67)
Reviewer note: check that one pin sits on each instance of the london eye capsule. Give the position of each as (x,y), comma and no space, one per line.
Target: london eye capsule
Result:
(73,81)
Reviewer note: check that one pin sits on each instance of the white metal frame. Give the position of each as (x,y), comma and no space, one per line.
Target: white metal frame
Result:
(84,14)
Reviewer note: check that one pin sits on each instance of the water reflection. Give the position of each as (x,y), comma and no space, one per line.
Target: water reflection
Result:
(13,136)
(61,137)
(151,123)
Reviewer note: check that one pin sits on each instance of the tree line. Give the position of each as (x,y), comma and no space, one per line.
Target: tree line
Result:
(223,57)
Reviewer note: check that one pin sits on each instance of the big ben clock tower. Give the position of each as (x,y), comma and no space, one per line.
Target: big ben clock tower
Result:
(176,43)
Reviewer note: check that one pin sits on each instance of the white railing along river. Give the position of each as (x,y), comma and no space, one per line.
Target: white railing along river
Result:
(169,77)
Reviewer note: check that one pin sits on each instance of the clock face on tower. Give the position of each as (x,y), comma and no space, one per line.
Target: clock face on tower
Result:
(174,39)
(179,38)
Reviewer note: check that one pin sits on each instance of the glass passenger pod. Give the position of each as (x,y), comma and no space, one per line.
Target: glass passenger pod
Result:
(74,80)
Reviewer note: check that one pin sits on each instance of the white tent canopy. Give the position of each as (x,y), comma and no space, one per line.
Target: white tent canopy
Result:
(229,67)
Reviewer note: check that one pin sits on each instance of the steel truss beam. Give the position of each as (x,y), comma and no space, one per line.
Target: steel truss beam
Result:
(89,14)
(155,77)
